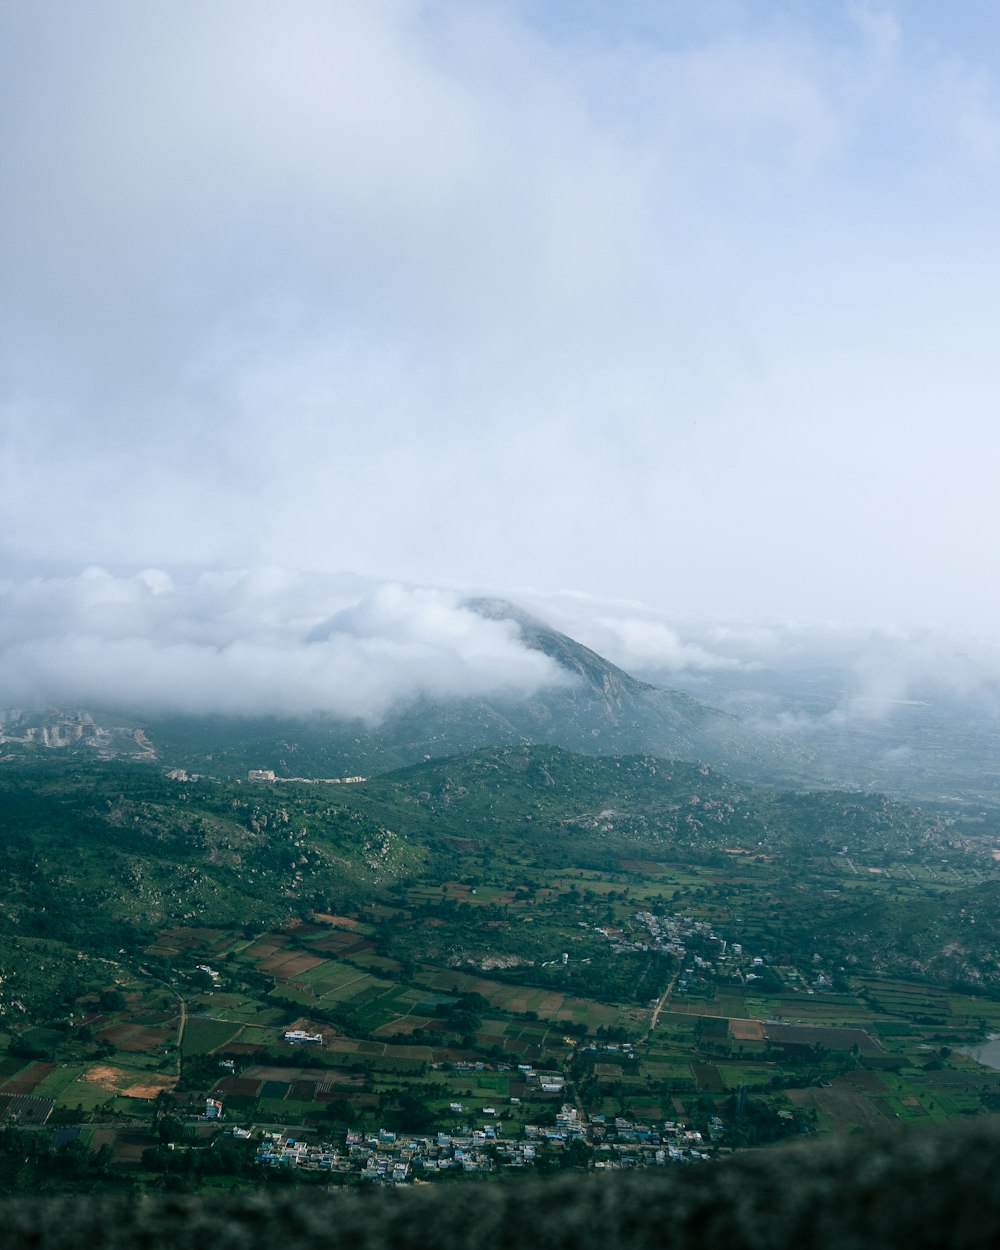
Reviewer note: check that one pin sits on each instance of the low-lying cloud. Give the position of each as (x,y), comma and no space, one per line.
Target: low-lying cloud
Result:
(795,676)
(278,641)
(251,642)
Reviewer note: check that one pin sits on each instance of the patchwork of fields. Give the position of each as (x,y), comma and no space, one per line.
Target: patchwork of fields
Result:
(451,1004)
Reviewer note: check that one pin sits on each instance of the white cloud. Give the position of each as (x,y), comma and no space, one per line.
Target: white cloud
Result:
(264,641)
(273,640)
(863,672)
(685,302)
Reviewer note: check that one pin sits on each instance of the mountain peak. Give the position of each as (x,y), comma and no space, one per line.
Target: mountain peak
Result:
(569,654)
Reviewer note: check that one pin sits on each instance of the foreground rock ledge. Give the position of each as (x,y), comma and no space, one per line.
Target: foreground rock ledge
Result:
(936,1188)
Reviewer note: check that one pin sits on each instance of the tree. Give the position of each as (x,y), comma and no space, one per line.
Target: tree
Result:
(163,1105)
(577,1154)
(170,1128)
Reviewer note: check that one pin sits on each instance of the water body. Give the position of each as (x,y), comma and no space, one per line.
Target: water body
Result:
(987,1054)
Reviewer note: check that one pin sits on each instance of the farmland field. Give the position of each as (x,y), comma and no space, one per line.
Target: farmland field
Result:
(522,973)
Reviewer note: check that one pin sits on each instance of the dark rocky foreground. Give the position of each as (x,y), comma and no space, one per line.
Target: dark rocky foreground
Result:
(936,1189)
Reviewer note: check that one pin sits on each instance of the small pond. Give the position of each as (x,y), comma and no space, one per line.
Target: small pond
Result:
(987,1054)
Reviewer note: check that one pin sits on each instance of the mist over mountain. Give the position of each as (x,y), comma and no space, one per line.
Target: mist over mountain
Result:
(901,729)
(594,297)
(606,297)
(319,674)
(249,642)
(607,711)
(241,674)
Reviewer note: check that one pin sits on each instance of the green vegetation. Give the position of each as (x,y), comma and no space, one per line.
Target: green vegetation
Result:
(812,962)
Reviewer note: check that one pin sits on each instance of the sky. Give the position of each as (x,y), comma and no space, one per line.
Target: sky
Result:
(688,307)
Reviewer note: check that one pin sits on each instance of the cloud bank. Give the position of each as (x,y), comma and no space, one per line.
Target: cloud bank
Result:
(777,672)
(275,641)
(688,302)
(267,642)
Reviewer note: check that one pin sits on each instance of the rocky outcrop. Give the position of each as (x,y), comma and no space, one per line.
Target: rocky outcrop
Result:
(71,731)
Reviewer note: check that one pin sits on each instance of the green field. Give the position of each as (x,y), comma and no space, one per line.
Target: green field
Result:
(203,1036)
(503,941)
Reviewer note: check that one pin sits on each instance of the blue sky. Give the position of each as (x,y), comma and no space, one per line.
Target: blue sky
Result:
(692,305)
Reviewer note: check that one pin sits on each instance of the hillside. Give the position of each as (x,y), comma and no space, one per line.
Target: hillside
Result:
(610,712)
(641,799)
(93,855)
(631,926)
(600,711)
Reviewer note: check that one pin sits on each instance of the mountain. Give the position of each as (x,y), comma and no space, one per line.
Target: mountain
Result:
(601,710)
(609,712)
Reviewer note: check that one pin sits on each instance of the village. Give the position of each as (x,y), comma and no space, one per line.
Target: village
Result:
(704,953)
(393,1158)
(645,1035)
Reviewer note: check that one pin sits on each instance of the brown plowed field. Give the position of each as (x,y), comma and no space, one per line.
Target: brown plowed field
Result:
(28,1080)
(242,1086)
(150,1086)
(302,963)
(746,1030)
(129,1145)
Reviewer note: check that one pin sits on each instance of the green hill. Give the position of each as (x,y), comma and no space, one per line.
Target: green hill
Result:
(95,855)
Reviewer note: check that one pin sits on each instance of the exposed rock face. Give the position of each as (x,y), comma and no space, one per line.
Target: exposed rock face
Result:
(66,730)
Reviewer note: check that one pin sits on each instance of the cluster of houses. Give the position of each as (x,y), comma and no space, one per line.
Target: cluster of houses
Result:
(624,1049)
(388,1158)
(697,946)
(674,933)
(701,952)
(623,1143)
